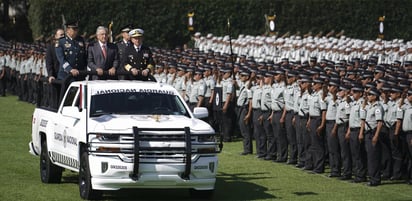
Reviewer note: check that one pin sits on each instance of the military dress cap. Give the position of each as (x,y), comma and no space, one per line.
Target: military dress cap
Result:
(357,87)
(328,67)
(386,87)
(396,89)
(136,33)
(347,81)
(382,80)
(72,24)
(371,63)
(172,65)
(313,59)
(370,85)
(405,84)
(207,67)
(181,68)
(245,72)
(226,70)
(292,73)
(198,71)
(351,72)
(278,71)
(335,83)
(269,73)
(374,91)
(408,63)
(379,69)
(344,87)
(324,76)
(305,79)
(391,81)
(259,74)
(189,69)
(334,77)
(409,92)
(367,74)
(126,28)
(313,71)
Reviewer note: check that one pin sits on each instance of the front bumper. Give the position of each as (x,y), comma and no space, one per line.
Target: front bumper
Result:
(110,173)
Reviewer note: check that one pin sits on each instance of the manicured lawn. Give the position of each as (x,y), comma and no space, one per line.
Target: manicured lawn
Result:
(239,177)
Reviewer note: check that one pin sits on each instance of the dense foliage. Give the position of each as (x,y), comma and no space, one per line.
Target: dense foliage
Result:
(165,21)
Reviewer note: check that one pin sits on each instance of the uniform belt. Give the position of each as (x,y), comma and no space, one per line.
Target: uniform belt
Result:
(355,129)
(408,132)
(256,109)
(314,117)
(330,121)
(265,110)
(277,110)
(289,111)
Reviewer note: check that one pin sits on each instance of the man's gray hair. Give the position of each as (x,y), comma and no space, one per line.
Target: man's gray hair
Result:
(101,28)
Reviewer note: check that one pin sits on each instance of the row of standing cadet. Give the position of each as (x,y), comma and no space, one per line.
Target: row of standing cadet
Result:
(269,116)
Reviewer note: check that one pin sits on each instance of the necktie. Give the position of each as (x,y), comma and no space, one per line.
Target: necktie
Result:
(137,49)
(104,51)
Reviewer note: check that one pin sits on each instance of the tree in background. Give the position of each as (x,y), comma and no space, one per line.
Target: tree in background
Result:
(165,21)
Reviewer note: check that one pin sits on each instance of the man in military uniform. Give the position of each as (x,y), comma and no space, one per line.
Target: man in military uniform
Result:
(258,132)
(404,124)
(357,148)
(371,125)
(278,116)
(210,86)
(266,102)
(71,52)
(227,106)
(121,45)
(316,125)
(245,112)
(138,58)
(197,93)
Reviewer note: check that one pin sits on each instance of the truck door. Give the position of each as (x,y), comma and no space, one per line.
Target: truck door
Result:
(67,129)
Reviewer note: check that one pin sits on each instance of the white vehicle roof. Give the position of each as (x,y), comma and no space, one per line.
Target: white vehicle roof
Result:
(117,86)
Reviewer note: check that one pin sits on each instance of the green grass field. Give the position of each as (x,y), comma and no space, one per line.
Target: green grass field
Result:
(239,177)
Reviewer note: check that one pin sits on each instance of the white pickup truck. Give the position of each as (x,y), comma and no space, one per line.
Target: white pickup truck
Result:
(126,134)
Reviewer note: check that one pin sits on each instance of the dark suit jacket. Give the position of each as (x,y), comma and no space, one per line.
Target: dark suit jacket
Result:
(52,64)
(96,60)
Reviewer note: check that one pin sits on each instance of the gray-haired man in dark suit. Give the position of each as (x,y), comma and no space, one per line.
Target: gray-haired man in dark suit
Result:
(103,56)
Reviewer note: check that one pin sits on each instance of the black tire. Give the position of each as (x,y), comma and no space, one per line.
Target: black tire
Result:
(201,194)
(85,183)
(49,172)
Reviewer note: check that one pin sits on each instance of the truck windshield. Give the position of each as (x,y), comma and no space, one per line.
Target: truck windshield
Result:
(136,103)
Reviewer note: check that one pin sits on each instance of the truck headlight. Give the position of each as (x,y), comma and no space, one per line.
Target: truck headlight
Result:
(207,138)
(107,137)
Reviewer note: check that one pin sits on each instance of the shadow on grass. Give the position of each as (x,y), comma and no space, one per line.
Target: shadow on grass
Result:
(228,187)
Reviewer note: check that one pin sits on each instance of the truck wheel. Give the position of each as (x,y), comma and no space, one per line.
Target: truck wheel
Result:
(85,183)
(201,194)
(49,172)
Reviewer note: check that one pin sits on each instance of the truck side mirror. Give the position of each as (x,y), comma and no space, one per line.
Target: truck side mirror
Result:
(200,112)
(71,111)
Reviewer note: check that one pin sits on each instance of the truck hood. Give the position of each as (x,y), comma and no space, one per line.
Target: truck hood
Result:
(125,123)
